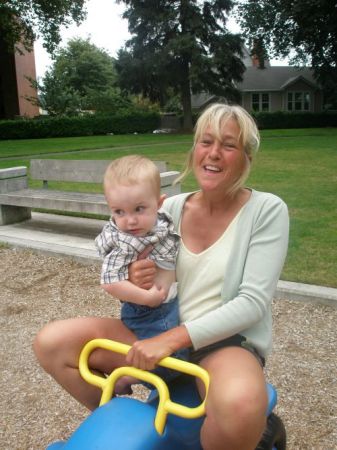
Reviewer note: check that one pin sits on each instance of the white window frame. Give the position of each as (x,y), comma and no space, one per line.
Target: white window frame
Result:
(261,101)
(298,101)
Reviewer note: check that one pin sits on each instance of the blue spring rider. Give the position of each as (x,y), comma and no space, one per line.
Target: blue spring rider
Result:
(170,418)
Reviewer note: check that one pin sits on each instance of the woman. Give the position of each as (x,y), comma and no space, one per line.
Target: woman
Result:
(234,243)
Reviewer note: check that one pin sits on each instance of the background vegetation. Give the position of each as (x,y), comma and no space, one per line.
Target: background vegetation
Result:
(129,121)
(177,47)
(299,165)
(304,29)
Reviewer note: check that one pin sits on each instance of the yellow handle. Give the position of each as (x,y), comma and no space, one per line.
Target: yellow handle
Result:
(165,405)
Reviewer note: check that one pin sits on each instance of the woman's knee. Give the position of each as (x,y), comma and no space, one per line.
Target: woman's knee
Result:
(47,340)
(235,416)
(60,339)
(60,342)
(236,400)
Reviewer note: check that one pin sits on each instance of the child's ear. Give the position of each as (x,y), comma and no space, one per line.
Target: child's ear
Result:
(161,200)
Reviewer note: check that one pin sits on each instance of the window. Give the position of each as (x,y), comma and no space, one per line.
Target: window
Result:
(298,101)
(260,102)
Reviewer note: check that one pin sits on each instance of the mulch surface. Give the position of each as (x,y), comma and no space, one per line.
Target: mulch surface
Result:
(35,411)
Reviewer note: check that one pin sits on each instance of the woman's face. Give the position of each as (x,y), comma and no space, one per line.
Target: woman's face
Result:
(218,162)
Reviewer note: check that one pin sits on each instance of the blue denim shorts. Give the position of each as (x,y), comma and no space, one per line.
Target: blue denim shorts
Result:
(147,322)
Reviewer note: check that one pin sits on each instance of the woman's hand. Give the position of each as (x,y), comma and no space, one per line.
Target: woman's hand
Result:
(143,271)
(146,353)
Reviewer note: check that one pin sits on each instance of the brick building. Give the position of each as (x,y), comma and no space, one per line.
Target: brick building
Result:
(14,85)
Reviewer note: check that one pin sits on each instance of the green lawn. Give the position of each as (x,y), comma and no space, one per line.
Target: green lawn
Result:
(26,147)
(298,165)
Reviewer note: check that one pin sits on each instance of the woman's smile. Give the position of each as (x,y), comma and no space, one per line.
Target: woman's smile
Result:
(212,169)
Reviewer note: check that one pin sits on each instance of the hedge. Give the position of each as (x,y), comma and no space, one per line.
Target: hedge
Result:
(280,119)
(128,122)
(141,122)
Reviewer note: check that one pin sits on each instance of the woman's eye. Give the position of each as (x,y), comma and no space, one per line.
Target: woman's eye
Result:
(229,146)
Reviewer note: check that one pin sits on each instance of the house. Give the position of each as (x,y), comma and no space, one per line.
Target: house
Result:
(280,88)
(273,88)
(15,69)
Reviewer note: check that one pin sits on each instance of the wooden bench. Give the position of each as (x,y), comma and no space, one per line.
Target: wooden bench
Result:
(17,199)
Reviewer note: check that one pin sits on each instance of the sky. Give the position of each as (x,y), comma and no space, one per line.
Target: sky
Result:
(106,29)
(104,25)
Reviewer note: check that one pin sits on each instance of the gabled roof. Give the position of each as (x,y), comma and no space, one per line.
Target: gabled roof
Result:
(203,99)
(275,78)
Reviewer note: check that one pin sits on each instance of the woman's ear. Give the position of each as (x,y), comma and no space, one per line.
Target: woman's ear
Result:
(161,200)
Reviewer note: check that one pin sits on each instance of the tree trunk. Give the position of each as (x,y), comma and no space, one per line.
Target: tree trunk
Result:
(186,98)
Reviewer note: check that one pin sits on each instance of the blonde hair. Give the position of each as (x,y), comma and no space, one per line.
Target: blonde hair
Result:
(132,169)
(215,117)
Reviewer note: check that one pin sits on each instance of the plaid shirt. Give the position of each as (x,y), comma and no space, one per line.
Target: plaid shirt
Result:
(118,249)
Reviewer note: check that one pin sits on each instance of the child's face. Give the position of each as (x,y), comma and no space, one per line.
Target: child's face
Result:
(134,208)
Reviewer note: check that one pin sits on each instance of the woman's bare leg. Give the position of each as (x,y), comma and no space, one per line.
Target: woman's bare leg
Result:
(58,346)
(237,401)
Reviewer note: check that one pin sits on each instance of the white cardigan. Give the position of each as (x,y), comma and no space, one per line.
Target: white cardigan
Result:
(258,254)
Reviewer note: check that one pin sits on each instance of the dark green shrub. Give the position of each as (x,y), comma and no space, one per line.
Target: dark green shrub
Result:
(97,124)
(282,119)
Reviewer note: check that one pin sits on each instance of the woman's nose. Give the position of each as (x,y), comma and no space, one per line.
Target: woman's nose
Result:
(215,150)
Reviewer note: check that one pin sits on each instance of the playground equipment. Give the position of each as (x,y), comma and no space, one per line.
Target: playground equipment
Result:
(170,418)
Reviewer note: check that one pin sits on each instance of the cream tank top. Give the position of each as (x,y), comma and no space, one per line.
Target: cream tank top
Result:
(200,275)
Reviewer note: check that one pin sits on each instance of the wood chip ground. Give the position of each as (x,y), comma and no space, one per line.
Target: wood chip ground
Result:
(34,411)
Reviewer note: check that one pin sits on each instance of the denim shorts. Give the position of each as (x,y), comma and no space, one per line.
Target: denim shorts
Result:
(234,341)
(147,322)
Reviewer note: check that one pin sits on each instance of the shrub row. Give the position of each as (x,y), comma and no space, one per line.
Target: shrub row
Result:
(282,119)
(128,122)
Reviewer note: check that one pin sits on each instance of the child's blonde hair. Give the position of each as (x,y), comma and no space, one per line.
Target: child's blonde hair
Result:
(132,169)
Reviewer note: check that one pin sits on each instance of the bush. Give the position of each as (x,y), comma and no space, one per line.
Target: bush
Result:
(282,119)
(123,123)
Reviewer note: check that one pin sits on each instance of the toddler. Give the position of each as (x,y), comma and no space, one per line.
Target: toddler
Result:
(132,191)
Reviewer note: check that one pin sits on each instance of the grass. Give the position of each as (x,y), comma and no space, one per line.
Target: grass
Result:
(298,165)
(28,147)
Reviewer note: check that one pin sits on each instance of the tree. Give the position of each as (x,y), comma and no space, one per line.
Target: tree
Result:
(80,77)
(22,21)
(183,45)
(306,28)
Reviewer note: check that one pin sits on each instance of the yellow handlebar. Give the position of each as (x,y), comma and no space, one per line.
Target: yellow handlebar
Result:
(165,405)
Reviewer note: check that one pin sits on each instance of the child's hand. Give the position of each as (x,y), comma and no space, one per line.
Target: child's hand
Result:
(156,296)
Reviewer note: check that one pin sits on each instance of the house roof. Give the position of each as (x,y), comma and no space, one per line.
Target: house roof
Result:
(275,78)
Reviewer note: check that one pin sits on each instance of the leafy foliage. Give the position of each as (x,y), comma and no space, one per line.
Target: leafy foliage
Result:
(87,125)
(306,28)
(82,77)
(181,45)
(23,21)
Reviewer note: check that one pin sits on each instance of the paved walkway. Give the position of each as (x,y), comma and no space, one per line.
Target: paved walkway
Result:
(74,237)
